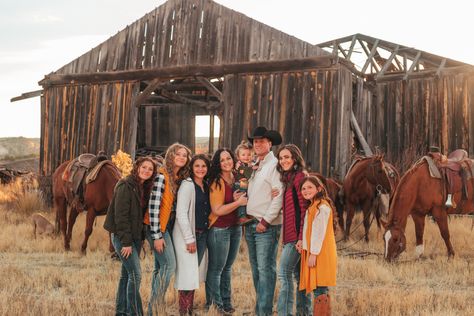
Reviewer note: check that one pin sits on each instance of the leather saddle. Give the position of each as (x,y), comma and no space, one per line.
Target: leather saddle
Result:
(455,170)
(75,174)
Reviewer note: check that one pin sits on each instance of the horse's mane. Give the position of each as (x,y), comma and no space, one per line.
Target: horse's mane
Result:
(402,182)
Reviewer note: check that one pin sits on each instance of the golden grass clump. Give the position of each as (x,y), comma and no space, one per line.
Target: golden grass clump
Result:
(123,161)
(22,196)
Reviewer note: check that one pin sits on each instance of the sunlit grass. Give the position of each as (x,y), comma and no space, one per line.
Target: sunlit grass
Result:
(40,278)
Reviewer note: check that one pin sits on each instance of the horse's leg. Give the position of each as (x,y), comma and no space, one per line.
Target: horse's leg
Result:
(350,209)
(340,213)
(441,217)
(419,220)
(60,204)
(88,231)
(72,220)
(367,210)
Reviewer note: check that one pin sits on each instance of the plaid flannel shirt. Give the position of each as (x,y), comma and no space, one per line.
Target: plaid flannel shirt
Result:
(154,206)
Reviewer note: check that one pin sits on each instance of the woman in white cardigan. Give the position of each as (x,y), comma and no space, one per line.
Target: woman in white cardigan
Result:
(190,233)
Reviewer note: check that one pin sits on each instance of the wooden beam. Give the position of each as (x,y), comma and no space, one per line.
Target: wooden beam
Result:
(210,87)
(342,51)
(370,57)
(211,133)
(388,62)
(413,65)
(340,40)
(351,48)
(185,71)
(360,137)
(441,67)
(27,95)
(147,92)
(426,73)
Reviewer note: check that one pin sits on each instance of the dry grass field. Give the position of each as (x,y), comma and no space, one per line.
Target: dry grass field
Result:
(39,278)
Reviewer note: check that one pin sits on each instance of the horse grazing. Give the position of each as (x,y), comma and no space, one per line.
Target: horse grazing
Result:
(366,180)
(96,199)
(418,195)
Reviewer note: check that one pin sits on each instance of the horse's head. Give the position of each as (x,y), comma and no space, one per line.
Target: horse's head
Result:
(394,243)
(381,174)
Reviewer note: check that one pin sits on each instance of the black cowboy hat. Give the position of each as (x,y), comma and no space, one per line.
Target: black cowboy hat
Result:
(263,132)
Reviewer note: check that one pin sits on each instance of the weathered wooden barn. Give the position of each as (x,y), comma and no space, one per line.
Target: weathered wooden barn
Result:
(144,86)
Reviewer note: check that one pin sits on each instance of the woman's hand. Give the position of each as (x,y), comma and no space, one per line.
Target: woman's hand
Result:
(312,261)
(299,246)
(191,248)
(275,192)
(260,228)
(159,245)
(237,194)
(126,252)
(242,200)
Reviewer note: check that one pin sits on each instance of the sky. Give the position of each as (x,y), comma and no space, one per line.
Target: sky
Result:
(38,37)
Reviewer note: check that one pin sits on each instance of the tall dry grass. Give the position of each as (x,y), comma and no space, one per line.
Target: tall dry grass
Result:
(39,278)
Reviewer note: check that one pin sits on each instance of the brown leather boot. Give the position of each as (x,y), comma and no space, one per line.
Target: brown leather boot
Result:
(322,305)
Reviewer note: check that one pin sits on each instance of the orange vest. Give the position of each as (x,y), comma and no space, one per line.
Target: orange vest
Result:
(324,273)
(166,203)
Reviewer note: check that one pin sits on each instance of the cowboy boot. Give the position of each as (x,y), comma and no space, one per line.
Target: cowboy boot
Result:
(322,306)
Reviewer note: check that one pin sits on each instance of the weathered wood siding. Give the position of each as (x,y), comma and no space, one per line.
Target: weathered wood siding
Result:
(179,32)
(183,32)
(403,117)
(77,119)
(310,109)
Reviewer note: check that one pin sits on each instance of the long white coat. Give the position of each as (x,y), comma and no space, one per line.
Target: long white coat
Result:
(188,273)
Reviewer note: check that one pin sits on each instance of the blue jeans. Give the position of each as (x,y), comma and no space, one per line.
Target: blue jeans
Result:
(262,255)
(201,244)
(223,245)
(288,273)
(165,266)
(320,290)
(128,301)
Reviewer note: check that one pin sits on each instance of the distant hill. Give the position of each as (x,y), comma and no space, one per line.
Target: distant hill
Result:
(15,148)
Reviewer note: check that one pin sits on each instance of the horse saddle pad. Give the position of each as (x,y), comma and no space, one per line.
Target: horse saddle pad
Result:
(76,170)
(455,169)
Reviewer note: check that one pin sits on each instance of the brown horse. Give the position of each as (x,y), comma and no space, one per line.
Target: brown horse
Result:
(97,197)
(367,178)
(418,195)
(333,188)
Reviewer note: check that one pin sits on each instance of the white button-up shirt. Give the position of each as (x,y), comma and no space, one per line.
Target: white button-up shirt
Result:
(260,202)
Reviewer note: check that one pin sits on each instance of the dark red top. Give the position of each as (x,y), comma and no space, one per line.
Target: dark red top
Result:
(289,217)
(231,218)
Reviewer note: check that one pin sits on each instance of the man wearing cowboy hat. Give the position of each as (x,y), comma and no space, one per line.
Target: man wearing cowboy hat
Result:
(262,235)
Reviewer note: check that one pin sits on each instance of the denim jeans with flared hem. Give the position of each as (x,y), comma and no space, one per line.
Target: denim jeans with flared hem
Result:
(262,255)
(223,245)
(288,274)
(128,300)
(165,267)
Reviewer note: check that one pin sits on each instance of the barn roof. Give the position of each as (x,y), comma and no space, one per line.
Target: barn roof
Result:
(187,32)
(383,60)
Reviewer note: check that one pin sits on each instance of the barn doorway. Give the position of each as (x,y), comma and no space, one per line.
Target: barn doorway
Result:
(206,131)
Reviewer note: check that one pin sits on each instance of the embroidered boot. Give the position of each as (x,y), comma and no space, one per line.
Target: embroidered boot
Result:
(322,305)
